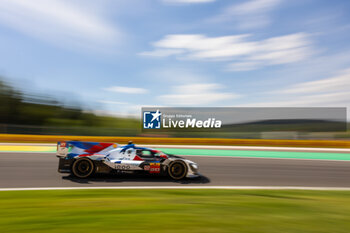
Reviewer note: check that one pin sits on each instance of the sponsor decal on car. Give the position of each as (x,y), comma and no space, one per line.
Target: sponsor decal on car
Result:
(146,167)
(154,168)
(122,167)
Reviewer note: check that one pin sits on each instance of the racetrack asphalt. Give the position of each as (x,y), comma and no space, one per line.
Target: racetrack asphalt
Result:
(22,170)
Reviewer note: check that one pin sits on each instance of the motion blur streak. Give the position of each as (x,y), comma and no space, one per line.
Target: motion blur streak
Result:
(40,170)
(177,141)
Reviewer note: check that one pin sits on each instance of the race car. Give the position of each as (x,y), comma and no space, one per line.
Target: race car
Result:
(83,159)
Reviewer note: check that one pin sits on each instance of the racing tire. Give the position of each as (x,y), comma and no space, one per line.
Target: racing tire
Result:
(83,168)
(177,170)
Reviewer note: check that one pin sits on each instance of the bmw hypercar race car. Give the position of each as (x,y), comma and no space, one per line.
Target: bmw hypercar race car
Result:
(83,159)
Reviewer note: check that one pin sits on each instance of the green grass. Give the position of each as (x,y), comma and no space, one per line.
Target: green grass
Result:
(175,211)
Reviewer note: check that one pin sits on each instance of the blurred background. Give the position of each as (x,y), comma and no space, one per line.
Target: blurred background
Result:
(86,67)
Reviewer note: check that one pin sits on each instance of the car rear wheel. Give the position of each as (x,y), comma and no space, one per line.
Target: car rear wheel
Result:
(83,168)
(177,170)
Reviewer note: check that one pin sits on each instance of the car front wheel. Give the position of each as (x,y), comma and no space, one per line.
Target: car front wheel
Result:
(177,170)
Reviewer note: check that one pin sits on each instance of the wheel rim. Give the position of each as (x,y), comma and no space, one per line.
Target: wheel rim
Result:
(83,168)
(177,170)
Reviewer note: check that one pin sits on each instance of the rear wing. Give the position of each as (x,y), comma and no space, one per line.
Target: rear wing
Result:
(62,149)
(76,148)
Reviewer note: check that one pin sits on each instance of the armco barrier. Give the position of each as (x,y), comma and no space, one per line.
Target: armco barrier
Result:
(176,141)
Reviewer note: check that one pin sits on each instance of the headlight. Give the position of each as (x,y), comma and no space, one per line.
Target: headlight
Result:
(195,166)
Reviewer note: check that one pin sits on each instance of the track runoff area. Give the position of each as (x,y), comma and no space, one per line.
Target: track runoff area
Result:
(34,167)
